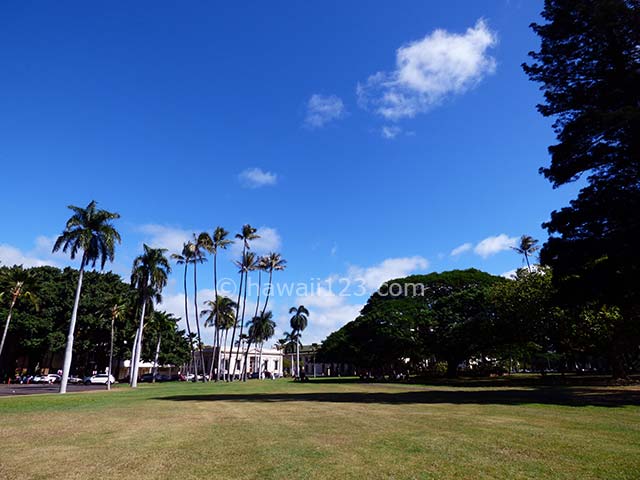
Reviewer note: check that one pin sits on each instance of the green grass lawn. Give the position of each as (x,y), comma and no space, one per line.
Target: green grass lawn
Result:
(323,429)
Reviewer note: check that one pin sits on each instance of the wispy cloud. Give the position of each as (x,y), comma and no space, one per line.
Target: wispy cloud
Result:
(162,236)
(373,277)
(256,177)
(429,70)
(465,247)
(492,245)
(390,131)
(10,255)
(322,109)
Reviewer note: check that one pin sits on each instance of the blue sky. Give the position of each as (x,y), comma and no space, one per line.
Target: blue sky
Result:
(367,140)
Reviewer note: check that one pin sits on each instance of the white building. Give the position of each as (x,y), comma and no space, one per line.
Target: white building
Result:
(232,364)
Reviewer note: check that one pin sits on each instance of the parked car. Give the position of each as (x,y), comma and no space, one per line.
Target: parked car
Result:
(38,379)
(74,380)
(191,377)
(148,377)
(49,378)
(100,379)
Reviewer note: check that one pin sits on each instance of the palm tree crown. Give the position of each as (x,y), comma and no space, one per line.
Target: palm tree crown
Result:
(220,314)
(248,233)
(90,231)
(262,327)
(150,272)
(300,319)
(527,247)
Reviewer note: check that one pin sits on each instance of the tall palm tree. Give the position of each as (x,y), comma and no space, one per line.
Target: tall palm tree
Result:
(19,283)
(247,234)
(289,343)
(299,322)
(199,246)
(246,265)
(262,328)
(184,258)
(149,276)
(90,232)
(220,315)
(260,265)
(273,262)
(162,322)
(219,241)
(527,247)
(114,313)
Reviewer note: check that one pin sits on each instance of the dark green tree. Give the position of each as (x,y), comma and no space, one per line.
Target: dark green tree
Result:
(588,65)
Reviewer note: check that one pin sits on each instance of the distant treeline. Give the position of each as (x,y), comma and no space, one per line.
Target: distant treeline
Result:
(39,324)
(432,324)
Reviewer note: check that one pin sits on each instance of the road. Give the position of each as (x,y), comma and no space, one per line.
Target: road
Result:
(11,390)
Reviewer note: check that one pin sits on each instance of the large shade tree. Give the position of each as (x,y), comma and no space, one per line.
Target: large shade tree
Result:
(90,233)
(16,283)
(588,65)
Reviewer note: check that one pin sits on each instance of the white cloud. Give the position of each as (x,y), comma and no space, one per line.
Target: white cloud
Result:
(339,299)
(492,245)
(390,131)
(373,277)
(10,256)
(465,247)
(511,274)
(328,310)
(162,236)
(269,241)
(430,70)
(256,177)
(322,109)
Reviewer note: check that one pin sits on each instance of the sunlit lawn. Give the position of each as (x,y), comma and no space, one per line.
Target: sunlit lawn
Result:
(282,430)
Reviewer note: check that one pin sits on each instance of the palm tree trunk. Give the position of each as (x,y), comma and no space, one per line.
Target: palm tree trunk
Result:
(298,359)
(134,373)
(155,360)
(133,354)
(195,302)
(217,330)
(246,355)
(186,315)
(235,325)
(260,362)
(264,309)
(244,306)
(213,352)
(246,359)
(526,257)
(68,351)
(218,371)
(224,357)
(6,325)
(110,355)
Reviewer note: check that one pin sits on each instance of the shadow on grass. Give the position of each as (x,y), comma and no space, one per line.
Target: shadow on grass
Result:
(518,380)
(577,397)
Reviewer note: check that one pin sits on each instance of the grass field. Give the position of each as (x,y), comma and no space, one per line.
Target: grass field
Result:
(325,429)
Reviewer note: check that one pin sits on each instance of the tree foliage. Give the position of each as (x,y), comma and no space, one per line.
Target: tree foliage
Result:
(588,65)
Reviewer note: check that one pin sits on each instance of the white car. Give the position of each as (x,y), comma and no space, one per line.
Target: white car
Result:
(49,378)
(100,379)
